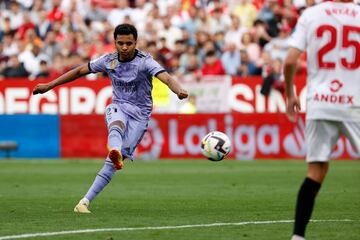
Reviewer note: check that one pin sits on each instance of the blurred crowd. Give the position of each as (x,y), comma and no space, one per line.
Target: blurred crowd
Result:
(44,38)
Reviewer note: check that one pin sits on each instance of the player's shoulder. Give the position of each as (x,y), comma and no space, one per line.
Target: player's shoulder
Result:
(111,56)
(105,57)
(142,54)
(311,11)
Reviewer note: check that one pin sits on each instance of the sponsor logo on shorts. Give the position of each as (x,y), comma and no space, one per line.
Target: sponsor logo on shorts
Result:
(294,142)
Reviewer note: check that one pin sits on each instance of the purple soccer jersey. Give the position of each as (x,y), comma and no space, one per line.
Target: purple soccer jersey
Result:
(131,80)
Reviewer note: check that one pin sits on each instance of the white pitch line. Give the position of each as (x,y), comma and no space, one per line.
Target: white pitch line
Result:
(45,234)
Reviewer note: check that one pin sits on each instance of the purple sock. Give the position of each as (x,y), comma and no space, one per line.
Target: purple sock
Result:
(102,179)
(115,137)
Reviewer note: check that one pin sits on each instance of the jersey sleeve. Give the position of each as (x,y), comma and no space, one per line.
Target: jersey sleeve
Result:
(97,64)
(298,37)
(153,67)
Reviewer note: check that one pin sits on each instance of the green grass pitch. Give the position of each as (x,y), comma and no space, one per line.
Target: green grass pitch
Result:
(39,196)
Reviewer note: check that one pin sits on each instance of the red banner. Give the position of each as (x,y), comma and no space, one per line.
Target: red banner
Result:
(91,97)
(78,97)
(253,136)
(83,136)
(258,132)
(245,96)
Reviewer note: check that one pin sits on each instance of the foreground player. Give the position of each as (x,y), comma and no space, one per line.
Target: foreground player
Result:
(330,32)
(127,117)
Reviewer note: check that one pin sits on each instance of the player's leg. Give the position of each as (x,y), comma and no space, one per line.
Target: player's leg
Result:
(134,133)
(102,179)
(116,122)
(306,196)
(352,132)
(321,136)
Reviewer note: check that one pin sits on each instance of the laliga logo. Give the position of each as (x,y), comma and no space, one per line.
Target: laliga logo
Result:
(294,142)
(335,85)
(151,144)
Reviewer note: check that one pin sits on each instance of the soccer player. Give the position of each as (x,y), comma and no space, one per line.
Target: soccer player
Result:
(130,71)
(330,33)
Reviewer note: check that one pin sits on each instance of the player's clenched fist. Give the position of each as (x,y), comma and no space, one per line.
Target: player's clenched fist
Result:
(41,88)
(182,94)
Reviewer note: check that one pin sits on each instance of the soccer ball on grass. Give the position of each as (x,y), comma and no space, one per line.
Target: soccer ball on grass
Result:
(215,146)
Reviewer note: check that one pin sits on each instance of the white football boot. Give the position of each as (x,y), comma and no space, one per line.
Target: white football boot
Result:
(82,206)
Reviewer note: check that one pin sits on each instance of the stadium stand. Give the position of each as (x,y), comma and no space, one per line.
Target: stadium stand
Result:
(68,33)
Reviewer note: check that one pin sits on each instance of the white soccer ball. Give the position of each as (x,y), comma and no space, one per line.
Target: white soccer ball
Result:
(215,146)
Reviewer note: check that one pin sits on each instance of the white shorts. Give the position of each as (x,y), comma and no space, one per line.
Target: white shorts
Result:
(134,128)
(322,135)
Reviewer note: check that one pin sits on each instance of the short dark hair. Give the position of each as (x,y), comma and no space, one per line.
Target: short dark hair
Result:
(125,29)
(151,44)
(210,53)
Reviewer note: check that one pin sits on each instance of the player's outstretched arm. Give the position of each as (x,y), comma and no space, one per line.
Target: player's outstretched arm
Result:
(292,101)
(173,85)
(65,78)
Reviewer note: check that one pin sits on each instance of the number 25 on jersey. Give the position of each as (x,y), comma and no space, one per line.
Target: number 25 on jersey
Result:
(346,42)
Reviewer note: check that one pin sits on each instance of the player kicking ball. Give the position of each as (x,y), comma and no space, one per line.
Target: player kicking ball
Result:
(131,72)
(330,32)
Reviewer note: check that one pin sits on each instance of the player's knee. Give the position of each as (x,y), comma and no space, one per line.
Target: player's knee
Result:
(317,177)
(118,126)
(318,171)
